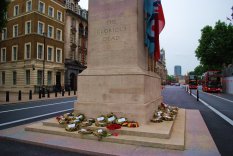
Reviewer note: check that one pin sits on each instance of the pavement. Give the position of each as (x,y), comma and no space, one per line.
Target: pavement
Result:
(13,97)
(198,141)
(220,130)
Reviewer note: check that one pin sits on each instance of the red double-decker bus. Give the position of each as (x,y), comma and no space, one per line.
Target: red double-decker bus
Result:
(192,82)
(211,81)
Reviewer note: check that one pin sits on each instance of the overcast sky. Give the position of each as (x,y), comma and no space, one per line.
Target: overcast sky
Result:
(184,21)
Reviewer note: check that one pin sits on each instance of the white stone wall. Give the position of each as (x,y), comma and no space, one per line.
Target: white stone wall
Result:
(228,84)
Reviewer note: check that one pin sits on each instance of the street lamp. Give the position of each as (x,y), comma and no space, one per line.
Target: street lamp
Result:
(43,84)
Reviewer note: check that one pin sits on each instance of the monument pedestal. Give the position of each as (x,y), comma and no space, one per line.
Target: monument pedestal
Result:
(135,96)
(168,134)
(116,79)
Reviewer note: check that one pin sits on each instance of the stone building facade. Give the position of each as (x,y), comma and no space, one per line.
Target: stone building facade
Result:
(161,67)
(32,45)
(76,28)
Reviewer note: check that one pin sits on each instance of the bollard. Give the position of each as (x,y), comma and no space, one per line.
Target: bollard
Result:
(63,92)
(30,94)
(20,95)
(48,95)
(55,93)
(197,95)
(74,92)
(7,96)
(43,92)
(69,92)
(40,94)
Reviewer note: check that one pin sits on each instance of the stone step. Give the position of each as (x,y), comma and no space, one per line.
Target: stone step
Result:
(176,140)
(155,130)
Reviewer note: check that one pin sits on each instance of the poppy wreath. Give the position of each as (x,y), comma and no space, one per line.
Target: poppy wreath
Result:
(130,124)
(113,126)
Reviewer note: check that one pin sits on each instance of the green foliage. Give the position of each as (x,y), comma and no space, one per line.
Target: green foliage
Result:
(215,46)
(171,78)
(200,69)
(3,11)
(191,73)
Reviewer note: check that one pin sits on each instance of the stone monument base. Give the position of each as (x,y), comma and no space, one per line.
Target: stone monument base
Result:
(168,134)
(132,94)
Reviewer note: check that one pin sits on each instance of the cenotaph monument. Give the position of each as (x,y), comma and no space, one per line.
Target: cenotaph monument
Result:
(117,79)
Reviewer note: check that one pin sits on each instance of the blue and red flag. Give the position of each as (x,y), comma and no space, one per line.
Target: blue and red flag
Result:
(155,23)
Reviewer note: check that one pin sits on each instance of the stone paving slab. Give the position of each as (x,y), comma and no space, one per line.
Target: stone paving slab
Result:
(197,139)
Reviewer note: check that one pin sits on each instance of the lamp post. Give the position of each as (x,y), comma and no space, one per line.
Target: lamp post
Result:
(43,83)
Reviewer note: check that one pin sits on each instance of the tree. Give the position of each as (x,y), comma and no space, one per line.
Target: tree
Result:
(171,78)
(3,11)
(191,73)
(200,69)
(215,46)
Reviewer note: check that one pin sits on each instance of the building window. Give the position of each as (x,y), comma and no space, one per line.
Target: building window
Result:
(40,28)
(27,27)
(59,16)
(27,77)
(27,51)
(4,33)
(15,30)
(49,78)
(39,77)
(72,6)
(50,53)
(84,15)
(59,35)
(3,55)
(14,55)
(16,10)
(59,55)
(40,51)
(51,11)
(3,78)
(41,7)
(50,31)
(28,6)
(14,77)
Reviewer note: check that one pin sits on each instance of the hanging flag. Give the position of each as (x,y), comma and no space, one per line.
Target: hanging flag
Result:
(155,23)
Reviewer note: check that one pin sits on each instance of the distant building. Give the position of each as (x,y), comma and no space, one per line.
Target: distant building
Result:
(44,44)
(161,67)
(177,70)
(32,45)
(75,42)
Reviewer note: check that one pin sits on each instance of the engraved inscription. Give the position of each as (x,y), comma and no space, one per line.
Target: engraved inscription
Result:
(111,30)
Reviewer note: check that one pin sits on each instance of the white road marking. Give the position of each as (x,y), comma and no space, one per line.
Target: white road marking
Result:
(224,117)
(218,97)
(34,117)
(58,103)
